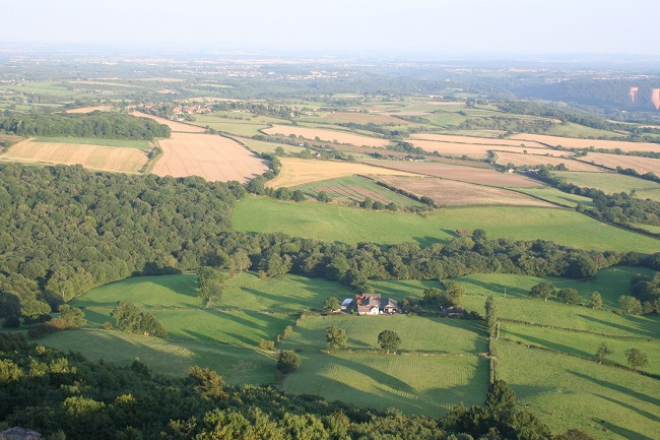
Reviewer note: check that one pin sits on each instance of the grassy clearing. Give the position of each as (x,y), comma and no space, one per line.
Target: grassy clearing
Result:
(608,182)
(413,384)
(419,334)
(553,195)
(143,145)
(355,189)
(236,365)
(354,225)
(567,393)
(582,344)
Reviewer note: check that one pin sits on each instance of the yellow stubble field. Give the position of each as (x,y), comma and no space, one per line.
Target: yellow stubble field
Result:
(326,135)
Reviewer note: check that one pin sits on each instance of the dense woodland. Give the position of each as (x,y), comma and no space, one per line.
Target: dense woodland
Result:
(64,230)
(67,397)
(95,124)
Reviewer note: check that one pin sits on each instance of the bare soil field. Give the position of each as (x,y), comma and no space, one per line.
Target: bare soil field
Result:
(301,171)
(480,151)
(364,118)
(96,157)
(101,108)
(475,140)
(453,193)
(461,173)
(586,143)
(642,165)
(174,126)
(327,135)
(212,157)
(517,159)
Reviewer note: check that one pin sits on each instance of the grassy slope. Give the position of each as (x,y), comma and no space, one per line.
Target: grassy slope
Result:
(578,131)
(553,195)
(607,182)
(143,145)
(571,393)
(353,225)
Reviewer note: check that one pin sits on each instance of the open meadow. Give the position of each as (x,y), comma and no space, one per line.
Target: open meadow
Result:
(93,155)
(557,197)
(353,225)
(341,137)
(302,171)
(609,182)
(453,193)
(212,157)
(483,176)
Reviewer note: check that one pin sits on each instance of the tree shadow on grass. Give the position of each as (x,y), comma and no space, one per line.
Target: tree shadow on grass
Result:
(651,329)
(641,412)
(623,432)
(619,388)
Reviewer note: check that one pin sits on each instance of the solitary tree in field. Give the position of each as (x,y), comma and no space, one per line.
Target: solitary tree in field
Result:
(603,350)
(331,304)
(596,301)
(336,338)
(636,358)
(210,284)
(287,362)
(542,290)
(389,340)
(569,295)
(631,304)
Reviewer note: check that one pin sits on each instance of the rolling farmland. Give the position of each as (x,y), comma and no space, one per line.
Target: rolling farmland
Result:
(302,171)
(480,151)
(327,135)
(521,160)
(92,156)
(355,189)
(174,126)
(476,140)
(567,142)
(212,157)
(454,193)
(608,182)
(642,165)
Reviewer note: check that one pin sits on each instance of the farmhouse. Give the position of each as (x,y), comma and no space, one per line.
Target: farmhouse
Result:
(372,304)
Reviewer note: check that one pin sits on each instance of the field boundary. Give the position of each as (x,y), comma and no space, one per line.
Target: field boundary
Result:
(575,330)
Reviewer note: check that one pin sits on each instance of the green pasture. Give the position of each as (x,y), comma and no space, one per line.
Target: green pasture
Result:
(653,194)
(355,189)
(353,225)
(582,344)
(610,182)
(428,385)
(553,195)
(235,364)
(605,402)
(422,335)
(233,126)
(143,145)
(268,147)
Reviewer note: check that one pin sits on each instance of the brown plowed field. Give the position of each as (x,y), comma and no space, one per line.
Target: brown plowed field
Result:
(480,151)
(518,160)
(326,135)
(364,118)
(642,165)
(475,140)
(301,171)
(452,193)
(174,126)
(212,157)
(96,157)
(461,173)
(586,143)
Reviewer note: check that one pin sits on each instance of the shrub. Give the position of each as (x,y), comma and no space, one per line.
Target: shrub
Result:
(287,362)
(265,344)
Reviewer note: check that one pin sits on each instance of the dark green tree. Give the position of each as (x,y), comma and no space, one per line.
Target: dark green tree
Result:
(491,316)
(631,304)
(596,301)
(331,304)
(389,340)
(336,338)
(287,361)
(210,285)
(569,295)
(604,349)
(542,290)
(636,358)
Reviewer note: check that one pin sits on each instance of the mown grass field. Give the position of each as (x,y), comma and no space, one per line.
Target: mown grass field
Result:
(553,195)
(124,143)
(355,189)
(236,365)
(566,392)
(353,225)
(428,385)
(421,335)
(583,344)
(608,182)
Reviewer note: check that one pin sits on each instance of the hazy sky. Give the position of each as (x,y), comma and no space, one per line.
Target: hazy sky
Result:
(414,26)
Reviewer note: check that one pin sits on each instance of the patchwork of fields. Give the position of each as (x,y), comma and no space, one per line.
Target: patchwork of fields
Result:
(327,135)
(531,160)
(642,165)
(568,142)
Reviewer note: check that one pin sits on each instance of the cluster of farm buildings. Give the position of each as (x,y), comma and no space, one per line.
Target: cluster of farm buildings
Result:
(371,304)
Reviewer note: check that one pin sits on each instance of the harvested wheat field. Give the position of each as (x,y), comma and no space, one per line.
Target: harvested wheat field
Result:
(326,135)
(301,171)
(174,126)
(480,151)
(520,160)
(96,157)
(101,108)
(212,157)
(475,140)
(364,118)
(461,173)
(642,165)
(453,193)
(586,143)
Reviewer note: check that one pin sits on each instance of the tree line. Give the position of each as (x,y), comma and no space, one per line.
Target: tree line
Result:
(96,124)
